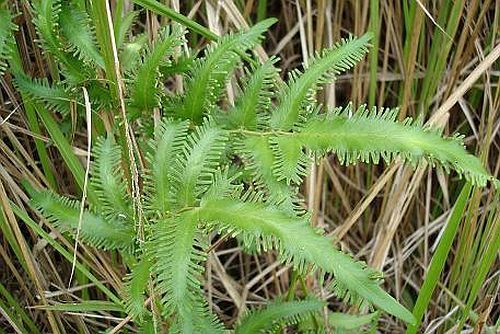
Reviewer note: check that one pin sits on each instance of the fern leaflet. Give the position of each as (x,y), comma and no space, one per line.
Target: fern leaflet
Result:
(266,318)
(299,92)
(95,230)
(209,74)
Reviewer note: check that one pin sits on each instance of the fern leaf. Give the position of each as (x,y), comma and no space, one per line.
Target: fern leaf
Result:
(368,136)
(144,89)
(131,53)
(122,27)
(350,321)
(76,28)
(136,284)
(164,150)
(147,327)
(198,163)
(210,73)
(255,97)
(95,230)
(342,323)
(277,313)
(222,184)
(7,41)
(178,258)
(260,160)
(54,96)
(299,92)
(47,25)
(291,162)
(299,244)
(109,183)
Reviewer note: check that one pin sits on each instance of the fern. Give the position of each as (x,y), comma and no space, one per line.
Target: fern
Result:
(47,24)
(136,284)
(255,98)
(369,135)
(178,255)
(299,92)
(209,74)
(279,312)
(109,183)
(163,151)
(298,244)
(236,169)
(144,87)
(290,161)
(199,160)
(55,96)
(7,42)
(95,229)
(76,28)
(261,160)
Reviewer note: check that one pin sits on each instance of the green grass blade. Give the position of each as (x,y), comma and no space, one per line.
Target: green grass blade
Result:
(159,8)
(492,245)
(17,309)
(84,306)
(65,149)
(439,258)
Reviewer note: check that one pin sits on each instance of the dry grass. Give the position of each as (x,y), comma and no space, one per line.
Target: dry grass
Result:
(440,64)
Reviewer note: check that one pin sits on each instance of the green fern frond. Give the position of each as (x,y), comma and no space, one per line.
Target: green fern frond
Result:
(223,184)
(76,27)
(178,256)
(135,284)
(145,89)
(56,97)
(341,323)
(109,183)
(260,160)
(168,143)
(198,162)
(181,65)
(7,42)
(255,97)
(122,27)
(280,312)
(369,135)
(147,326)
(46,22)
(299,92)
(130,54)
(291,162)
(209,74)
(346,321)
(300,245)
(95,230)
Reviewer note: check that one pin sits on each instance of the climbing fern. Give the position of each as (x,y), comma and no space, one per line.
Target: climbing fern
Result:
(213,167)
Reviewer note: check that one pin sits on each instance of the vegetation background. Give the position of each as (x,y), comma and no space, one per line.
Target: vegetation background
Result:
(433,58)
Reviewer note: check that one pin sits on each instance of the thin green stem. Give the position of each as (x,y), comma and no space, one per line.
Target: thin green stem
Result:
(159,8)
(439,258)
